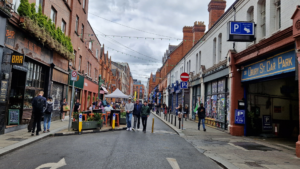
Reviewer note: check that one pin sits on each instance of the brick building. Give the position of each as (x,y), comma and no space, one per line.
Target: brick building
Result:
(138,89)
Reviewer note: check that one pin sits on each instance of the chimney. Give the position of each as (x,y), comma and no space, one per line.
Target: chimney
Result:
(187,39)
(198,31)
(216,10)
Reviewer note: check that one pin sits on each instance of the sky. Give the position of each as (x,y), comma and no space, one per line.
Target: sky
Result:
(149,19)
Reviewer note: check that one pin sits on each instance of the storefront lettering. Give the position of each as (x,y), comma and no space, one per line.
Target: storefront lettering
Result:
(252,72)
(10,34)
(284,62)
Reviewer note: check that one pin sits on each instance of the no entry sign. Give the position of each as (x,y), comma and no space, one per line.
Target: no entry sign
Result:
(74,76)
(184,77)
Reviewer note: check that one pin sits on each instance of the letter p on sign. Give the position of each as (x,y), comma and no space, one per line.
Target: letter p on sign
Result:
(236,26)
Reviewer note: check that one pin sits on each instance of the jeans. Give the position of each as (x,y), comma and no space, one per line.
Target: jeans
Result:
(136,119)
(47,121)
(128,119)
(144,122)
(37,123)
(203,123)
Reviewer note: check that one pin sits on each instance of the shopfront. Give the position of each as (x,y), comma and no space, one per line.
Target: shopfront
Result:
(78,86)
(271,95)
(90,93)
(196,96)
(216,94)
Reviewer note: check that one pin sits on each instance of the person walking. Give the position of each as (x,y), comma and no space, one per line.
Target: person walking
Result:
(186,111)
(137,114)
(63,113)
(145,114)
(201,116)
(77,106)
(38,104)
(129,109)
(48,115)
(30,124)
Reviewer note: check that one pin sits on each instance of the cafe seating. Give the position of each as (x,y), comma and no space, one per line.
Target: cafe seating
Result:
(106,117)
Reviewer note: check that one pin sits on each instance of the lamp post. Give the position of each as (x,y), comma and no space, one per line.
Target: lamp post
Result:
(100,82)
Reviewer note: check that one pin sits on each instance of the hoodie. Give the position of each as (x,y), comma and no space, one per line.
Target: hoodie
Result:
(49,107)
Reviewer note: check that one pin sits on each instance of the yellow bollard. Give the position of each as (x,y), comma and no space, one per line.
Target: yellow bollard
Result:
(80,123)
(152,124)
(113,121)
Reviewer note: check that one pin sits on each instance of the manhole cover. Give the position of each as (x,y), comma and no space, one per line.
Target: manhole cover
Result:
(253,164)
(16,139)
(254,146)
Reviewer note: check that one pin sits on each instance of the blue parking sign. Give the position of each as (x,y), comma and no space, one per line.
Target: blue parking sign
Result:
(241,28)
(239,116)
(184,85)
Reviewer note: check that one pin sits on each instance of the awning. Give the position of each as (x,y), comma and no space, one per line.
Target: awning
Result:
(104,89)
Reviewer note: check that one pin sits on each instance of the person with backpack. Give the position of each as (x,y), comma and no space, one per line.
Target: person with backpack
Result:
(145,114)
(48,114)
(38,104)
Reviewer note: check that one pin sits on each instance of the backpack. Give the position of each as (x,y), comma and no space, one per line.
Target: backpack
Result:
(49,109)
(39,107)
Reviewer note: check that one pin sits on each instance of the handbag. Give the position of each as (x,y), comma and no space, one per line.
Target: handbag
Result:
(66,108)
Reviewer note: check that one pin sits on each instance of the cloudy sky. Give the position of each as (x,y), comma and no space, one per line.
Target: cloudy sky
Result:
(161,18)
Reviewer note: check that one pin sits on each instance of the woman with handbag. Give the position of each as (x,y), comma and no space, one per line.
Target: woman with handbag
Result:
(179,108)
(186,111)
(64,109)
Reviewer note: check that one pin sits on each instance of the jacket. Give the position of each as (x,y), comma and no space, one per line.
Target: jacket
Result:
(137,109)
(145,111)
(34,104)
(201,115)
(129,107)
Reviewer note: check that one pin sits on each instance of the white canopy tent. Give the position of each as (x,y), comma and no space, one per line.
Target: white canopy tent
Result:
(116,94)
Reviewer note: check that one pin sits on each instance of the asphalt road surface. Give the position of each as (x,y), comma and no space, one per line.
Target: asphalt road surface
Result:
(163,149)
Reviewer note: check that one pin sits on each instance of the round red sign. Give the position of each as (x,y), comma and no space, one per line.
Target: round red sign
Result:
(184,77)
(74,74)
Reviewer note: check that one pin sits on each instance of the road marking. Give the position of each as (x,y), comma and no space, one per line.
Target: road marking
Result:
(173,163)
(59,164)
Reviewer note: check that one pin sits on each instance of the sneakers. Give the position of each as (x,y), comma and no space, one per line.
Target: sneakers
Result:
(127,129)
(48,131)
(62,120)
(32,134)
(204,129)
(130,129)
(133,129)
(44,131)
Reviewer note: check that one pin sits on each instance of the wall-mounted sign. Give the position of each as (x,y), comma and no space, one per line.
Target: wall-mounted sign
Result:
(278,64)
(17,59)
(267,122)
(239,116)
(4,85)
(14,115)
(240,31)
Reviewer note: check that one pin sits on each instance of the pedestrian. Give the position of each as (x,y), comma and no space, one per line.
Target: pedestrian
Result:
(94,104)
(77,106)
(30,125)
(108,108)
(137,114)
(145,114)
(201,116)
(129,109)
(38,104)
(179,108)
(91,107)
(48,115)
(186,111)
(63,112)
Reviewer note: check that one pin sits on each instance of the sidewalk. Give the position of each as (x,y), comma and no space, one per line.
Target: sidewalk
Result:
(237,152)
(20,138)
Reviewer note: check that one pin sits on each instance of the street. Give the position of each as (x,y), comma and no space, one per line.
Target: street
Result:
(119,149)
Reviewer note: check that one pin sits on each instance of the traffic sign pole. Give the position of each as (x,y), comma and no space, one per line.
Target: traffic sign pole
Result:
(184,77)
(71,109)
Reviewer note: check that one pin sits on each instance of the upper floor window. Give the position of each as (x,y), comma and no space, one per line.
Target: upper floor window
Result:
(82,31)
(38,3)
(250,16)
(278,13)
(83,4)
(197,63)
(63,26)
(16,4)
(97,51)
(76,24)
(262,6)
(53,15)
(219,47)
(214,51)
(79,63)
(189,66)
(90,45)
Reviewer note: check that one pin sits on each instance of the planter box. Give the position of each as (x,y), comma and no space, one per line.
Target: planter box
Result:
(85,125)
(122,120)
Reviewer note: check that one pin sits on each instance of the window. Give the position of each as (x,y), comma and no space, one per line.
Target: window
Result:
(79,63)
(214,51)
(219,47)
(199,60)
(197,63)
(82,31)
(90,45)
(16,4)
(96,74)
(97,53)
(250,14)
(189,66)
(262,4)
(83,4)
(63,26)
(74,61)
(278,13)
(37,4)
(53,15)
(35,76)
(89,69)
(76,25)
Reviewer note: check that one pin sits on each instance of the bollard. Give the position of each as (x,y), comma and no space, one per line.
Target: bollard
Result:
(80,123)
(113,121)
(172,119)
(152,124)
(175,120)
(169,117)
(179,121)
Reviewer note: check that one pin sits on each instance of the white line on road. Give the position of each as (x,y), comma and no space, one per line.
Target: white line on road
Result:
(173,163)
(59,164)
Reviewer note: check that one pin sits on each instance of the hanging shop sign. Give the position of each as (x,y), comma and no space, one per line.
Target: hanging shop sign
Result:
(14,115)
(278,64)
(17,59)
(240,31)
(239,116)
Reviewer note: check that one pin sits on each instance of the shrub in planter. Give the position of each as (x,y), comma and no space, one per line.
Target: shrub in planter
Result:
(24,8)
(123,118)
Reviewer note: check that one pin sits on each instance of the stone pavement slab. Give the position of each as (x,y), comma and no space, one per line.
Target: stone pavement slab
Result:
(223,148)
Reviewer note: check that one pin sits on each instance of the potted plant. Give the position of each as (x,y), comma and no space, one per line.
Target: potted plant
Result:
(91,123)
(123,118)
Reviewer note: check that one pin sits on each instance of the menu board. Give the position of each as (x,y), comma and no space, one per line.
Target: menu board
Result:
(13,116)
(3,90)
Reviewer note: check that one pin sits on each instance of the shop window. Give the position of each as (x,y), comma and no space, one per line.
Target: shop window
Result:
(35,76)
(53,15)
(214,51)
(219,47)
(37,4)
(76,24)
(82,31)
(250,18)
(63,26)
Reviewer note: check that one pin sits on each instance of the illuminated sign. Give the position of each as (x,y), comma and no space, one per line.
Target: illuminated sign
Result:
(241,31)
(17,59)
(278,64)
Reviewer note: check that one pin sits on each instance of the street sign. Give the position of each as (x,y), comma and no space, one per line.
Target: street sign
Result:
(74,76)
(184,85)
(239,116)
(184,77)
(240,31)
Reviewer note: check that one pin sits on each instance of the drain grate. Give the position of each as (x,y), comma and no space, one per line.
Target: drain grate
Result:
(253,164)
(254,146)
(16,139)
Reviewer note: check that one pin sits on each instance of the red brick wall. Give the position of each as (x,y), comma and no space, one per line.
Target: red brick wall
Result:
(138,93)
(60,61)
(216,10)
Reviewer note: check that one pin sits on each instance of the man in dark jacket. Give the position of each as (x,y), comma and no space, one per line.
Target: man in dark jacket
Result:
(137,114)
(145,114)
(38,104)
(201,116)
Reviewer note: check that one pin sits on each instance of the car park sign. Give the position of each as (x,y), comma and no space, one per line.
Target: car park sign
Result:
(241,31)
